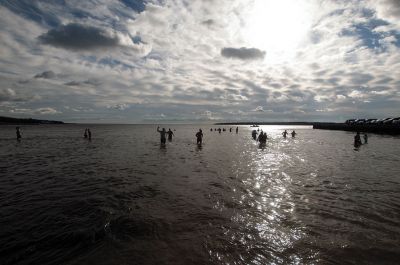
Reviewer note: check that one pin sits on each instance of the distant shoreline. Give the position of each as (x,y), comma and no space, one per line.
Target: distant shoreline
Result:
(393,129)
(28,121)
(266,123)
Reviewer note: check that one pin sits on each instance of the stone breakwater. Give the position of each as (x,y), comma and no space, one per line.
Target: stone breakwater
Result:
(371,128)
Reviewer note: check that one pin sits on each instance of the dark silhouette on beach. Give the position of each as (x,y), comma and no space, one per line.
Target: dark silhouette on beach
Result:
(89,134)
(365,138)
(285,133)
(199,136)
(237,129)
(293,134)
(85,135)
(230,129)
(18,133)
(163,133)
(170,133)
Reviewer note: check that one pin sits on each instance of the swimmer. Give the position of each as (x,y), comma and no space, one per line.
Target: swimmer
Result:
(162,132)
(357,140)
(285,133)
(365,138)
(199,136)
(18,132)
(170,133)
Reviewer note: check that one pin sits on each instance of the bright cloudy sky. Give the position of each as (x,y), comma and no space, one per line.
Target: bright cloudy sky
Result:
(135,61)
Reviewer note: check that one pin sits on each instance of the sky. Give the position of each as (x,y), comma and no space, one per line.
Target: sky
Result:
(178,61)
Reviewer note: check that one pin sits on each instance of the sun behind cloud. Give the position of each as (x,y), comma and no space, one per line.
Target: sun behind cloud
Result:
(278,27)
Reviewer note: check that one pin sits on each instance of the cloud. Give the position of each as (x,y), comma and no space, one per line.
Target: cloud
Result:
(46,75)
(259,109)
(91,82)
(183,57)
(38,111)
(10,95)
(119,106)
(243,53)
(79,37)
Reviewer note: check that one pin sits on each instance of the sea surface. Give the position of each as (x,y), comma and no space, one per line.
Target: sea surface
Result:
(122,198)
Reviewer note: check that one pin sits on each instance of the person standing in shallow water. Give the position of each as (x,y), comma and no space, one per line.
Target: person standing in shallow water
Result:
(89,134)
(293,134)
(357,140)
(237,129)
(365,138)
(162,132)
(18,133)
(199,136)
(285,133)
(170,133)
(85,134)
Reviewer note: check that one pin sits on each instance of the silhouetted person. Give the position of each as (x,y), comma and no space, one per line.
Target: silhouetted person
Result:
(18,133)
(230,129)
(365,138)
(219,130)
(285,133)
(357,140)
(211,130)
(223,129)
(199,136)
(89,134)
(237,129)
(254,134)
(162,132)
(293,134)
(262,138)
(85,135)
(170,133)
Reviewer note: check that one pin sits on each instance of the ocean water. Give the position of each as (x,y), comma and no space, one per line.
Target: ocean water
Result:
(122,198)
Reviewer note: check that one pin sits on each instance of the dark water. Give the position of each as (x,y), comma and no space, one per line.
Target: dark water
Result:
(124,199)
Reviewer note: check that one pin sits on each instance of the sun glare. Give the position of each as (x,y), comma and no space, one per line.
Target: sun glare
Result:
(277,27)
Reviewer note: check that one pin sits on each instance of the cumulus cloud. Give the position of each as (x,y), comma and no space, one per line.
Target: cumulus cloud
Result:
(119,106)
(80,37)
(177,58)
(243,53)
(259,109)
(46,75)
(10,95)
(38,111)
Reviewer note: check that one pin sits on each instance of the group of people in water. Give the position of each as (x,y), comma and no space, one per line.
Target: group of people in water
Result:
(262,137)
(223,130)
(87,134)
(357,139)
(164,134)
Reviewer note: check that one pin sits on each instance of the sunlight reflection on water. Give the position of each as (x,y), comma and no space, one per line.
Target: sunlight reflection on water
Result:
(122,197)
